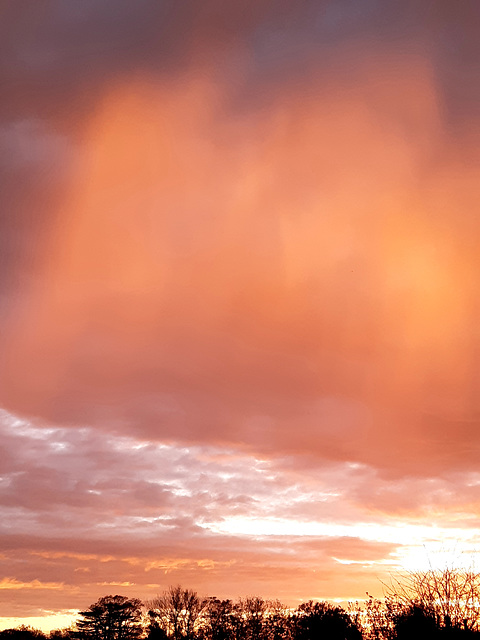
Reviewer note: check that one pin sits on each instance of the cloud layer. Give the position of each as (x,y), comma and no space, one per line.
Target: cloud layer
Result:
(83,513)
(239,326)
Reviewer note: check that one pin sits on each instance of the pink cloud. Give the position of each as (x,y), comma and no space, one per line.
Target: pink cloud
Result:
(238,285)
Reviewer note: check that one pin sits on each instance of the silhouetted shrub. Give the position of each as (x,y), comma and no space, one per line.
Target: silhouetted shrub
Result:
(416,623)
(316,620)
(22,633)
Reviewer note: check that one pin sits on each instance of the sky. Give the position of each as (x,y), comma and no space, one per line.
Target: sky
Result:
(239,311)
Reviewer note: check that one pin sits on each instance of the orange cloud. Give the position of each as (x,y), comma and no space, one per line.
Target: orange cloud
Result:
(212,256)
(13,584)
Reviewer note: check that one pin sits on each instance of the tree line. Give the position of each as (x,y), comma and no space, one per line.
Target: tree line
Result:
(431,605)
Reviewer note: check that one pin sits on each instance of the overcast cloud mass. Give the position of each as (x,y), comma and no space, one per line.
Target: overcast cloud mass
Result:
(240,318)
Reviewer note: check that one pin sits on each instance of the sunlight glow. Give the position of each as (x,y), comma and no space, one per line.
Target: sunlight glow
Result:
(411,554)
(46,623)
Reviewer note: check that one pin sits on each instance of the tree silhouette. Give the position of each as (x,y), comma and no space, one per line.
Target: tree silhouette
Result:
(176,612)
(251,616)
(278,622)
(426,606)
(218,620)
(22,633)
(111,618)
(315,620)
(450,596)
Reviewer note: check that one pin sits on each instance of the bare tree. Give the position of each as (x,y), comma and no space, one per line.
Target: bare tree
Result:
(451,596)
(278,621)
(377,618)
(254,610)
(177,612)
(218,620)
(251,613)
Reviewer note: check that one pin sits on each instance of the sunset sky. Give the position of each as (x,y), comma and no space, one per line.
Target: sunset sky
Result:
(239,285)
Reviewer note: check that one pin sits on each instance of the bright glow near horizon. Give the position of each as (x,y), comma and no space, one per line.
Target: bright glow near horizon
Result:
(396,533)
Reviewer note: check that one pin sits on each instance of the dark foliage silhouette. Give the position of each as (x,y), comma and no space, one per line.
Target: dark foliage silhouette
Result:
(218,620)
(315,620)
(416,622)
(111,618)
(22,633)
(426,606)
